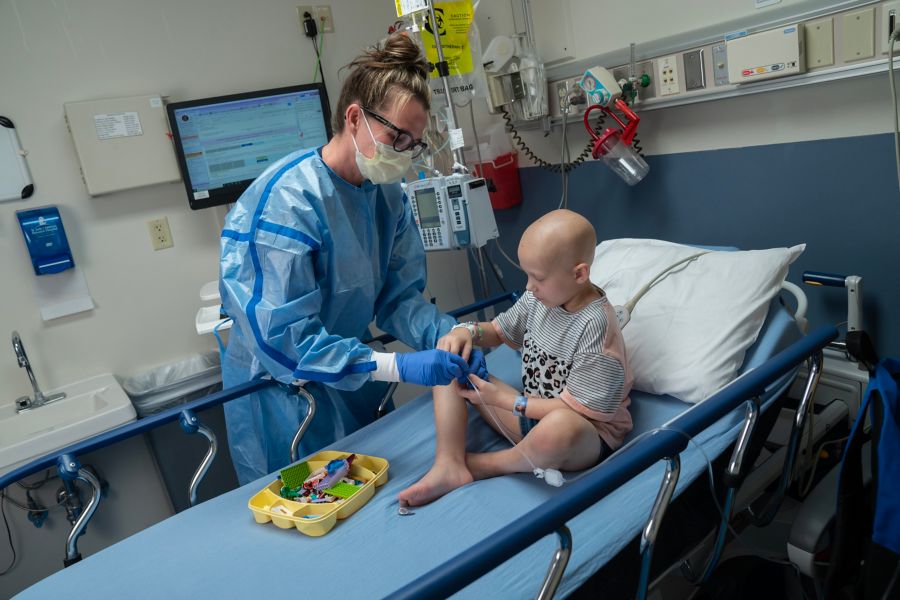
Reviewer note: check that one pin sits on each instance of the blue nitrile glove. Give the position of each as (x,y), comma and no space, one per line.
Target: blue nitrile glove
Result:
(477,366)
(430,367)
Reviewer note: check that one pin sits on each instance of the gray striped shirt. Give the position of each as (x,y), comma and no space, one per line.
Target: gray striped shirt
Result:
(578,357)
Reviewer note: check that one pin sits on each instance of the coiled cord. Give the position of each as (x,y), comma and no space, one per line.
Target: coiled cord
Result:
(636,144)
(569,166)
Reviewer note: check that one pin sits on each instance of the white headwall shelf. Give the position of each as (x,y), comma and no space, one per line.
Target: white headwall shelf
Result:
(711,40)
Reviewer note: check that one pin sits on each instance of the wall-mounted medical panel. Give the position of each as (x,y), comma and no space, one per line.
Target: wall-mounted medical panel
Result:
(834,42)
(775,53)
(122,143)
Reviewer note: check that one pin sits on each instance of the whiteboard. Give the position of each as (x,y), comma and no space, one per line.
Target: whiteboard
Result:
(15,180)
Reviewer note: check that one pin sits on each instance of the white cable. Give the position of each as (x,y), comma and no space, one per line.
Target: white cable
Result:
(564,161)
(891,40)
(640,294)
(551,476)
(623,313)
(506,256)
(815,464)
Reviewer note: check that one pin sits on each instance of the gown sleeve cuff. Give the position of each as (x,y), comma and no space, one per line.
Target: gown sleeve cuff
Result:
(385,366)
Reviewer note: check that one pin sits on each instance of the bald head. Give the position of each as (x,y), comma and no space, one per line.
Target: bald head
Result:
(562,237)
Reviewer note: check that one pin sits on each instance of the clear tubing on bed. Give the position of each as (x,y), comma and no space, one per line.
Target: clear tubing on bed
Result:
(551,476)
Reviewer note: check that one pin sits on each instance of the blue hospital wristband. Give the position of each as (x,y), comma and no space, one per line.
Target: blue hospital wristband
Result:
(520,405)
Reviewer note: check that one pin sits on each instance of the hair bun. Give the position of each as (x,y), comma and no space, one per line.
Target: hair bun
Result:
(396,51)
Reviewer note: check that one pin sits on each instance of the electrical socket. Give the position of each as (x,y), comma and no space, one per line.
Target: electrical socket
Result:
(324,19)
(160,235)
(558,93)
(667,75)
(884,28)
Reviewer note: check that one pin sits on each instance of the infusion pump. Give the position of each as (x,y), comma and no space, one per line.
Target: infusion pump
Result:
(452,212)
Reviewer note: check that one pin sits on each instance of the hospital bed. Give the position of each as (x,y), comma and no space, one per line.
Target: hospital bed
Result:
(488,539)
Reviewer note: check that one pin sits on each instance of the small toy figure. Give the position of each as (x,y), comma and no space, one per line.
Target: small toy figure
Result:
(330,474)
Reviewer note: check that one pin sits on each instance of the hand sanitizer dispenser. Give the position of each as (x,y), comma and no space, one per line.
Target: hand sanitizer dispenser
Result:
(46,240)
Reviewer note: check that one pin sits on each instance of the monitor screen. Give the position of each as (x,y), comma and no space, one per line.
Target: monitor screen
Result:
(224,143)
(426,201)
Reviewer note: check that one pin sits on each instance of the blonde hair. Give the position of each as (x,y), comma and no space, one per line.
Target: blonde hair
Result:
(394,70)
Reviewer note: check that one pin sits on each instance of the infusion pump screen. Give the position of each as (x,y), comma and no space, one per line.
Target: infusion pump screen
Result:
(428,210)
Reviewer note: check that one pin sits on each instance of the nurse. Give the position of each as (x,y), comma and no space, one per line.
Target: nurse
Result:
(319,245)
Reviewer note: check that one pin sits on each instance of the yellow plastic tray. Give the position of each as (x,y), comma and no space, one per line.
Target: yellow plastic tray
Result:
(318,519)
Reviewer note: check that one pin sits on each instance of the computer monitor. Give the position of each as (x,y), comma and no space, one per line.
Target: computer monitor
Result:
(224,143)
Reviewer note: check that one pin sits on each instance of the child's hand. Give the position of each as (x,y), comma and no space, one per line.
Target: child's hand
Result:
(458,341)
(493,392)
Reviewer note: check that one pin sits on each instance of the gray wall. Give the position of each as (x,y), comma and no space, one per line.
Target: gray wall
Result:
(839,196)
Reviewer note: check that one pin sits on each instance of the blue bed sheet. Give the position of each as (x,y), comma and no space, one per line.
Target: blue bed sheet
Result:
(217,550)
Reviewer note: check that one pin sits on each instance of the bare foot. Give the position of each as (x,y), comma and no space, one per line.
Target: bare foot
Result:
(440,480)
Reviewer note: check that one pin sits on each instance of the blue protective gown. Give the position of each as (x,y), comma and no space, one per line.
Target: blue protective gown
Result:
(308,260)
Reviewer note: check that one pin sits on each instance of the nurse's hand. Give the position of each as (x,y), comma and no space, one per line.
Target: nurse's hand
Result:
(457,341)
(430,367)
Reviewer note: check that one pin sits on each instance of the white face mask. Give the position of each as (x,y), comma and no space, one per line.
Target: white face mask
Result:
(387,166)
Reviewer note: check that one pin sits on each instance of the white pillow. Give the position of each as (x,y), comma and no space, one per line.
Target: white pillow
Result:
(688,335)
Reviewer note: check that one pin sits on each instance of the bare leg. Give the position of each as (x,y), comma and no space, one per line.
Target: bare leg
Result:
(449,470)
(561,440)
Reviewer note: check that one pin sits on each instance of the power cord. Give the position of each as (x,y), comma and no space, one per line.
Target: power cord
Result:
(579,160)
(895,34)
(37,485)
(35,508)
(506,256)
(12,547)
(564,159)
(311,30)
(570,166)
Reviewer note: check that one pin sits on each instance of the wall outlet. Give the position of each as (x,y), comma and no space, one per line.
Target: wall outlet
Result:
(890,17)
(304,10)
(160,236)
(667,76)
(324,19)
(559,93)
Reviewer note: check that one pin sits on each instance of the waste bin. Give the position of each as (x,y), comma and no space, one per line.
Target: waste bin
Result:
(179,454)
(500,165)
(174,384)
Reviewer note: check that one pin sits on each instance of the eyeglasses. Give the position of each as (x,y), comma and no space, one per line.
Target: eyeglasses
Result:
(404,142)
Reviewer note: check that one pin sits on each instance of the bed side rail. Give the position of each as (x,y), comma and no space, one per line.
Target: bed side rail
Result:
(175,414)
(473,562)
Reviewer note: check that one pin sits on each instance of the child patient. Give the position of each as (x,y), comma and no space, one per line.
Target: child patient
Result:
(573,410)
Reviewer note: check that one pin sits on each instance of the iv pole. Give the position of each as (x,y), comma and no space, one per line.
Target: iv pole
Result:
(444,71)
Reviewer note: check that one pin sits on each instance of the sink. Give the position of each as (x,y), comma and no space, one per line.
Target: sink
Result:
(90,407)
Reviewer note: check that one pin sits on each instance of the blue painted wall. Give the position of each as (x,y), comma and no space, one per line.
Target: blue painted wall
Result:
(839,196)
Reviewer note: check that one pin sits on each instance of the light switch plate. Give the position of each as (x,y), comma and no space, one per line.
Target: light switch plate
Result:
(694,74)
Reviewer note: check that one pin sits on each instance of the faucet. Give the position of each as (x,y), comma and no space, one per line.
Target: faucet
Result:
(26,402)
